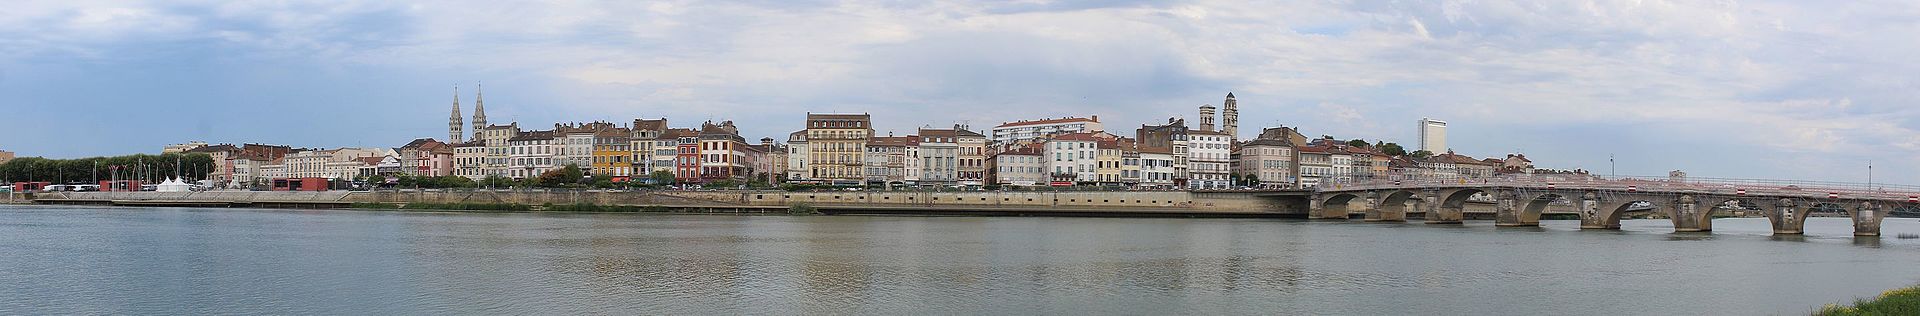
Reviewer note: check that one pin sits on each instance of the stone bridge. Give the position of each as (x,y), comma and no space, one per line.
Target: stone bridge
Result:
(1600,202)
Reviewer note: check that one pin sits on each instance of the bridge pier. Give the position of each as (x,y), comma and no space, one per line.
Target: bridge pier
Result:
(1387,214)
(1689,217)
(1440,213)
(1787,218)
(1508,212)
(1866,218)
(1591,216)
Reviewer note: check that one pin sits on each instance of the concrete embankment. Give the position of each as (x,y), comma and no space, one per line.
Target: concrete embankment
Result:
(1098,203)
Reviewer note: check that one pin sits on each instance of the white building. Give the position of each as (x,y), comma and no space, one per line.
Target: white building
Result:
(797,168)
(532,153)
(576,149)
(1433,135)
(1020,166)
(1073,157)
(644,140)
(1316,165)
(469,160)
(939,156)
(1269,160)
(1209,159)
(1156,168)
(1012,131)
(912,161)
(1340,165)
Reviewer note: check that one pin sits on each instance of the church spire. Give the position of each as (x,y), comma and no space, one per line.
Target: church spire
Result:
(479,110)
(453,123)
(1230,120)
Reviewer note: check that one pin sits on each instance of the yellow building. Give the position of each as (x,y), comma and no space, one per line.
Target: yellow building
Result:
(612,153)
(837,145)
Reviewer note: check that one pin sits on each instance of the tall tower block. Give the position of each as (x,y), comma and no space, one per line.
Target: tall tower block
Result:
(1433,135)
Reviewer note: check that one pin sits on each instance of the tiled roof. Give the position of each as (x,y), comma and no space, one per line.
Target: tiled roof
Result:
(533,135)
(901,141)
(652,125)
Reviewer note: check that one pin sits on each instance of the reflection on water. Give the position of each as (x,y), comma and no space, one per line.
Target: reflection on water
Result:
(221,261)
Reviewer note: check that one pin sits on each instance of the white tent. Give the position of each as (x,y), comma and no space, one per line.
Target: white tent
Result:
(173,185)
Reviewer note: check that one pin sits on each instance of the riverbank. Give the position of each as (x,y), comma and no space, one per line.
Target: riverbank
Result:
(1180,204)
(1901,301)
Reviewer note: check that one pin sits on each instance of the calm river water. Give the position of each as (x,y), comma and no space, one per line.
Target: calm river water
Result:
(227,261)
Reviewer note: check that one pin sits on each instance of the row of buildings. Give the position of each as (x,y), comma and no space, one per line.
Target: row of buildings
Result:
(843,149)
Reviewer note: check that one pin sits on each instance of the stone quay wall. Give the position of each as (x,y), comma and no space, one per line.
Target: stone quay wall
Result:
(1163,201)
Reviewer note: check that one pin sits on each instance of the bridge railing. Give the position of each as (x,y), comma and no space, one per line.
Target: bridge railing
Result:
(1728,186)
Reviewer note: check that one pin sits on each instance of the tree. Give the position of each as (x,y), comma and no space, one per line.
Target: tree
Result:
(761,181)
(1253,180)
(189,167)
(722,184)
(601,182)
(1357,143)
(442,182)
(661,177)
(1421,154)
(568,176)
(376,180)
(1393,149)
(496,181)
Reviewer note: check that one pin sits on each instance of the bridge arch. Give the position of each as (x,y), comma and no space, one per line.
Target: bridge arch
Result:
(1527,207)
(1393,206)
(1610,213)
(1339,205)
(1451,205)
(1866,215)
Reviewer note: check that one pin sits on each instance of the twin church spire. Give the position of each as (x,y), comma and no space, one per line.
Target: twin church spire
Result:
(454,134)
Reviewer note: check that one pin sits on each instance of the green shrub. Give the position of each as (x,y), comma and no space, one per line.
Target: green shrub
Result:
(1901,301)
(801,209)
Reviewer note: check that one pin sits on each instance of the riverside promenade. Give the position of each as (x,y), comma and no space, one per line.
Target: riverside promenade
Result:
(1281,204)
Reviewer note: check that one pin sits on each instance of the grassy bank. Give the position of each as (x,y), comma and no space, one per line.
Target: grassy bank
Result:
(1901,301)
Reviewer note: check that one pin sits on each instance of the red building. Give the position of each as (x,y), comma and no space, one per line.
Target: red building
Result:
(300,184)
(686,165)
(30,186)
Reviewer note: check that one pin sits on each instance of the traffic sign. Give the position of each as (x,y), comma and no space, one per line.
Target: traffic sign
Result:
(1549,185)
(1913,199)
(1740,192)
(1833,195)
(1633,188)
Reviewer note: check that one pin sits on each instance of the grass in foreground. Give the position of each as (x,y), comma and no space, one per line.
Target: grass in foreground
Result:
(1901,301)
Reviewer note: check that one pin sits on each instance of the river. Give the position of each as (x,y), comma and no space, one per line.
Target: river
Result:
(68,260)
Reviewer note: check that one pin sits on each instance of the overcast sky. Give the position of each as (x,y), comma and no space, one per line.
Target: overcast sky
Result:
(1790,89)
